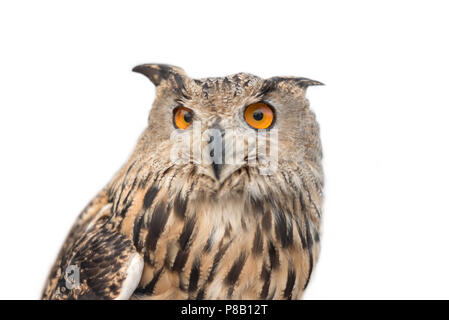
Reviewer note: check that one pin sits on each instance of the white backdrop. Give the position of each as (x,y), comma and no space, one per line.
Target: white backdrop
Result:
(71,111)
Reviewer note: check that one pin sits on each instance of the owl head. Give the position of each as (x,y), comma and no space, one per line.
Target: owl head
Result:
(229,134)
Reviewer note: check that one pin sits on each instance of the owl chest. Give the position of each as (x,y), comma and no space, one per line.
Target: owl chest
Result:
(219,251)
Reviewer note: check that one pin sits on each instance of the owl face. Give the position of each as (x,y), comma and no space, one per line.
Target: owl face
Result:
(220,129)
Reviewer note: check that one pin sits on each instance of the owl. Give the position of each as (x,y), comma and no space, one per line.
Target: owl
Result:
(220,199)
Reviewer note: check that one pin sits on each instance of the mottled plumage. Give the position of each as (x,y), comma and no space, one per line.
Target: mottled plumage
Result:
(199,230)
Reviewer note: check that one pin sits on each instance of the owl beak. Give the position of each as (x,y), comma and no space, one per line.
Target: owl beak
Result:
(216,150)
(217,169)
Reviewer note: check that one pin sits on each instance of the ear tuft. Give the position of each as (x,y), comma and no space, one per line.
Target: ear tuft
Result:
(158,72)
(305,82)
(299,81)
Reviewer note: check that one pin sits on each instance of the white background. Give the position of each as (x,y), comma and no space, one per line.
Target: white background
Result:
(71,111)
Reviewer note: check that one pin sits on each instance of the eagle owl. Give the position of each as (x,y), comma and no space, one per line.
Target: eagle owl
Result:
(220,199)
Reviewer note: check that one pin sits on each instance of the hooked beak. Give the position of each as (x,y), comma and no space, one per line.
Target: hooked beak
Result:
(217,169)
(216,149)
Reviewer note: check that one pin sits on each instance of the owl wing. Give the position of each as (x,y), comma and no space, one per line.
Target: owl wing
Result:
(95,262)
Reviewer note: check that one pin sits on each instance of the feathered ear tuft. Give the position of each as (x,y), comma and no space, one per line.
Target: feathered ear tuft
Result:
(273,82)
(305,82)
(158,72)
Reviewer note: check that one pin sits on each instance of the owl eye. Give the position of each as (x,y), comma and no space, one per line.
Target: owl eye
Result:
(259,115)
(182,117)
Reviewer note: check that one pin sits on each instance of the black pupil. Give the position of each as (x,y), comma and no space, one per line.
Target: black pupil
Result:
(188,117)
(258,115)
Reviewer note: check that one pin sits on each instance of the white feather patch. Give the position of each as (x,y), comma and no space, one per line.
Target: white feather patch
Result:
(133,276)
(100,214)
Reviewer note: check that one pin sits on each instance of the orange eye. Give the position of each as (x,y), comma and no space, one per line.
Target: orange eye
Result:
(182,117)
(259,115)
